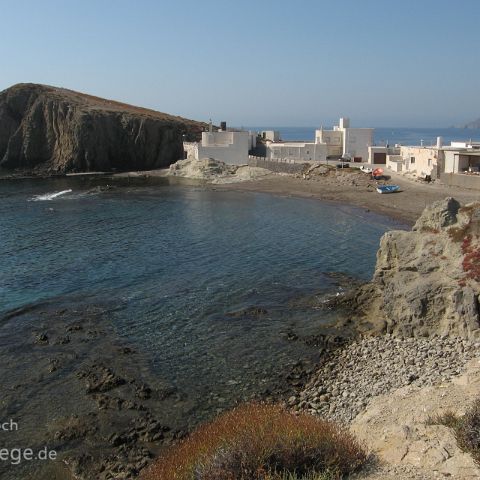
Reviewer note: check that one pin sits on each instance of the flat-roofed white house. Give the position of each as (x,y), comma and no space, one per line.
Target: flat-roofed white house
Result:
(462,162)
(418,160)
(349,142)
(229,146)
(423,161)
(272,135)
(462,157)
(382,154)
(333,139)
(433,161)
(352,143)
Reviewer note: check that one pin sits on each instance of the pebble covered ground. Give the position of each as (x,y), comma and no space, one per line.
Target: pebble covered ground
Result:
(343,385)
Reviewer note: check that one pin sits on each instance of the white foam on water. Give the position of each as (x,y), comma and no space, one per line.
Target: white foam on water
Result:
(49,196)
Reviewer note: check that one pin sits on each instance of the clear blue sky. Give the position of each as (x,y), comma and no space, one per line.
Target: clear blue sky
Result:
(254,62)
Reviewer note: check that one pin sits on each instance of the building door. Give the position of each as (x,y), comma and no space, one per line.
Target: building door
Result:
(380,158)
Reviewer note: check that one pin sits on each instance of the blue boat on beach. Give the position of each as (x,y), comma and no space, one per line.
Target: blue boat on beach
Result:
(388,188)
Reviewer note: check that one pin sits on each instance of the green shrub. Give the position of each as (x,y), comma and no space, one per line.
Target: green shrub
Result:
(261,442)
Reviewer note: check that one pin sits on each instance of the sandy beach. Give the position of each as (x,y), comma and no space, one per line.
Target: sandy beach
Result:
(358,189)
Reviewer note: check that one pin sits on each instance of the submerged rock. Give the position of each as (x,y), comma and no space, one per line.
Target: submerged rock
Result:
(254,312)
(427,281)
(55,130)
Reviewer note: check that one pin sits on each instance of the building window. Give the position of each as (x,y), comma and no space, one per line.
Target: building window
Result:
(412,159)
(308,152)
(429,162)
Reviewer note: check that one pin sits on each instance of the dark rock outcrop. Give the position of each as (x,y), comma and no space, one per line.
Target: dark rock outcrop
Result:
(54,130)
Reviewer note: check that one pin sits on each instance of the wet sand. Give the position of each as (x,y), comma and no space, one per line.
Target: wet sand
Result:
(358,189)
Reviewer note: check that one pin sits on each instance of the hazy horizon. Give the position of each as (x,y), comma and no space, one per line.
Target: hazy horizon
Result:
(379,63)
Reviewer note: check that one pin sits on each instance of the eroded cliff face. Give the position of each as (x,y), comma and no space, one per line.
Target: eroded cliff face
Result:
(57,130)
(427,281)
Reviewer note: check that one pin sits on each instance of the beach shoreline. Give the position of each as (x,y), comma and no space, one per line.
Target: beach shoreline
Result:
(348,187)
(405,206)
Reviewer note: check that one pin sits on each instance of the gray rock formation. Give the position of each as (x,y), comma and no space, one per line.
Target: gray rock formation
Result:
(427,281)
(52,130)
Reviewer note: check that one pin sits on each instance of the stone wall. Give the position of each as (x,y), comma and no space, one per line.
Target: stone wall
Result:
(461,180)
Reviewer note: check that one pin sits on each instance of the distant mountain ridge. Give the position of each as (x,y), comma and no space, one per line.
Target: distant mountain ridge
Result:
(474,124)
(54,130)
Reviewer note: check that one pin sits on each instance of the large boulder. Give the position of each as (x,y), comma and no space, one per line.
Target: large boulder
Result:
(427,281)
(53,130)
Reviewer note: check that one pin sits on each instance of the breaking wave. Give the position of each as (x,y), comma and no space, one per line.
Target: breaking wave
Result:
(49,196)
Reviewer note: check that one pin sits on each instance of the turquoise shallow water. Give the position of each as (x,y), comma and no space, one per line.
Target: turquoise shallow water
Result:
(169,262)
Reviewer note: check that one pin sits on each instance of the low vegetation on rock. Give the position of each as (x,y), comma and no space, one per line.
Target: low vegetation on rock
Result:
(466,428)
(468,431)
(262,442)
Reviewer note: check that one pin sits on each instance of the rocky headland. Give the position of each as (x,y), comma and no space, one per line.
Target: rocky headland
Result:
(427,280)
(418,354)
(474,124)
(50,130)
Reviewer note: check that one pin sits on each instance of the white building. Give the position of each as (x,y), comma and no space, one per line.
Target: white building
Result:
(380,155)
(423,161)
(352,143)
(349,142)
(333,139)
(418,160)
(272,135)
(462,157)
(229,146)
(433,161)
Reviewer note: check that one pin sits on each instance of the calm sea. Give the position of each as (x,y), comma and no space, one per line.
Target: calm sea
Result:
(169,262)
(402,136)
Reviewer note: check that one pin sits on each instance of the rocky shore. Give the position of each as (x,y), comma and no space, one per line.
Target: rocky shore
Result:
(215,171)
(418,352)
(78,387)
(368,367)
(427,280)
